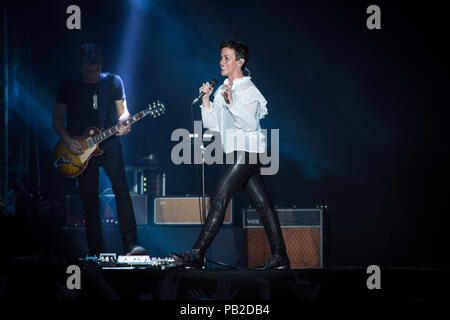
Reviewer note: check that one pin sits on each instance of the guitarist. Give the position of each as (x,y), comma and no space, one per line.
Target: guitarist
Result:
(97,100)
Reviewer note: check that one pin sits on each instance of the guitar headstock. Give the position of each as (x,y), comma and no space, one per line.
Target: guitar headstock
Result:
(156,109)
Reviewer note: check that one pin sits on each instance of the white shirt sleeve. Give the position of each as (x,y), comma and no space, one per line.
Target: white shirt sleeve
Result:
(209,118)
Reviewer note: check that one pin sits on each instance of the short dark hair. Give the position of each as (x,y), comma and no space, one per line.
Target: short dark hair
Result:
(240,49)
(90,53)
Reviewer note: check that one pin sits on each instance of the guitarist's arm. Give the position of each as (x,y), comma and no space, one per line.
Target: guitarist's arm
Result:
(58,124)
(122,112)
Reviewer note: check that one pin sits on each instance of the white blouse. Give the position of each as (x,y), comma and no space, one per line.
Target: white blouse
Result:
(238,123)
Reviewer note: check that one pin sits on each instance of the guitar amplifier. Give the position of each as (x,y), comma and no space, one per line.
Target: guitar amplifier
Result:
(184,210)
(108,209)
(146,180)
(302,231)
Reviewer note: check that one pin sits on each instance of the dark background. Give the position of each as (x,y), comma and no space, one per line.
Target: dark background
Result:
(360,112)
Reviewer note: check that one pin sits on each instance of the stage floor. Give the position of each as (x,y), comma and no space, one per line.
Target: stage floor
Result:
(40,278)
(36,276)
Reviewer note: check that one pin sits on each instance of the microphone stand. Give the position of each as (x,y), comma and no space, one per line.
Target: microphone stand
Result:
(203,204)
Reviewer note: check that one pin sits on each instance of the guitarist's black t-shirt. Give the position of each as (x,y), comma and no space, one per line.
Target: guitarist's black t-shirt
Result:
(82,109)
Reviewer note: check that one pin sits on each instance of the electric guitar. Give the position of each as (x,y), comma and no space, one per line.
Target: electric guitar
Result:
(71,165)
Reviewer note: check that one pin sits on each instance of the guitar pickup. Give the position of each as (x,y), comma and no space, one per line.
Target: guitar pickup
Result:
(90,142)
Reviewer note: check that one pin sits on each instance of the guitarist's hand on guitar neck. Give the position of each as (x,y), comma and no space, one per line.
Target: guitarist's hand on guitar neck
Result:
(123,130)
(73,145)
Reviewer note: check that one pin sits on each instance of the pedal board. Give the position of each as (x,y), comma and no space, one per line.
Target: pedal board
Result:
(112,261)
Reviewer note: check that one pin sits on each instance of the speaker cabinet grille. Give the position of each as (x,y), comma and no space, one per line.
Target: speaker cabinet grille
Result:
(183,210)
(302,232)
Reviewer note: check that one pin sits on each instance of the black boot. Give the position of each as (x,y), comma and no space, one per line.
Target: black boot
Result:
(260,199)
(132,246)
(135,250)
(193,258)
(276,262)
(279,259)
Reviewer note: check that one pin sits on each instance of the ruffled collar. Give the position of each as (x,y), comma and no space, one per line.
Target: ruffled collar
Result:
(237,81)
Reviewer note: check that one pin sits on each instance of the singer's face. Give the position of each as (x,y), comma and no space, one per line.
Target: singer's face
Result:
(228,63)
(90,73)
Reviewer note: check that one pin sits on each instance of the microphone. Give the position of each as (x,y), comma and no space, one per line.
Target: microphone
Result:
(213,84)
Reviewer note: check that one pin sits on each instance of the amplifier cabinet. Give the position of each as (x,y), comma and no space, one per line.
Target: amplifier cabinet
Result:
(108,209)
(146,180)
(302,232)
(184,210)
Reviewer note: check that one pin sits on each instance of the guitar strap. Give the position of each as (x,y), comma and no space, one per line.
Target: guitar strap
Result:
(107,115)
(102,101)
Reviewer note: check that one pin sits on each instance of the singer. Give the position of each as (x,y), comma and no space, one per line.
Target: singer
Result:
(235,112)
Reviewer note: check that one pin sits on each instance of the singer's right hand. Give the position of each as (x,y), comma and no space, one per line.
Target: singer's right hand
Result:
(207,89)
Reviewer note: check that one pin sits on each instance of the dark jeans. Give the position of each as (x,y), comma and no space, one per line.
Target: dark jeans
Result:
(113,164)
(233,178)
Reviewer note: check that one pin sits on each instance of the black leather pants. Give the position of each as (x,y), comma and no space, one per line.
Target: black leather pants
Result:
(234,177)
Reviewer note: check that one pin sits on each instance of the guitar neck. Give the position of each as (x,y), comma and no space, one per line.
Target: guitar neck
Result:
(138,116)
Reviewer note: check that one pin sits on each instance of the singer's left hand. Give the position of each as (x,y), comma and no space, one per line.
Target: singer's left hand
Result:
(227,94)
(122,129)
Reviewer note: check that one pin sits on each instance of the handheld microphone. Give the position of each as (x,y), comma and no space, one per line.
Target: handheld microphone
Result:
(213,84)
